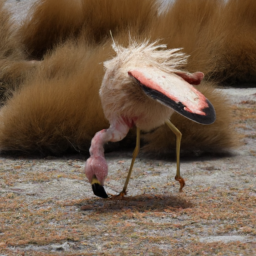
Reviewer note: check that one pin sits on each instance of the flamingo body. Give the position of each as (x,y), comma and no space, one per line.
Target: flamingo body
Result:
(143,86)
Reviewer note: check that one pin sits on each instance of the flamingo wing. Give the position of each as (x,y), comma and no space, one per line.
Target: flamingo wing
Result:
(175,91)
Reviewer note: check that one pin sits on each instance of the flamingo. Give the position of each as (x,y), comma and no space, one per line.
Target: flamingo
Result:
(143,86)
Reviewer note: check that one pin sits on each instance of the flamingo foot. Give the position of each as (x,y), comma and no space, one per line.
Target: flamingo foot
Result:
(181,181)
(120,196)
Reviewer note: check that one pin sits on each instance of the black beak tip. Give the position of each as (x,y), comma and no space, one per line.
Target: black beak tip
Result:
(99,190)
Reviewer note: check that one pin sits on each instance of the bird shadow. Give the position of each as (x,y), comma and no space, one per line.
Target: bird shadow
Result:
(140,203)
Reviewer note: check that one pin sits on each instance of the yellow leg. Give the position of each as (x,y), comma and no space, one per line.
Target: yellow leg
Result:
(135,153)
(178,141)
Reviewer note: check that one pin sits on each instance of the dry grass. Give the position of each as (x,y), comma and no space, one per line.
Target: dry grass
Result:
(218,37)
(233,45)
(59,109)
(58,113)
(53,22)
(10,46)
(184,25)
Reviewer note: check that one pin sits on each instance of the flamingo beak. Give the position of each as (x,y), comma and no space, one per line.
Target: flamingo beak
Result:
(98,189)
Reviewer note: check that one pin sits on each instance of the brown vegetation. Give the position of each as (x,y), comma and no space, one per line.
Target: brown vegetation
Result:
(57,106)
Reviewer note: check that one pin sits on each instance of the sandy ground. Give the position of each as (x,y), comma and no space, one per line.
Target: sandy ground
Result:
(47,207)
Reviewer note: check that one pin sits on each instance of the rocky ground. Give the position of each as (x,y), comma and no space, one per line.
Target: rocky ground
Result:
(47,207)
